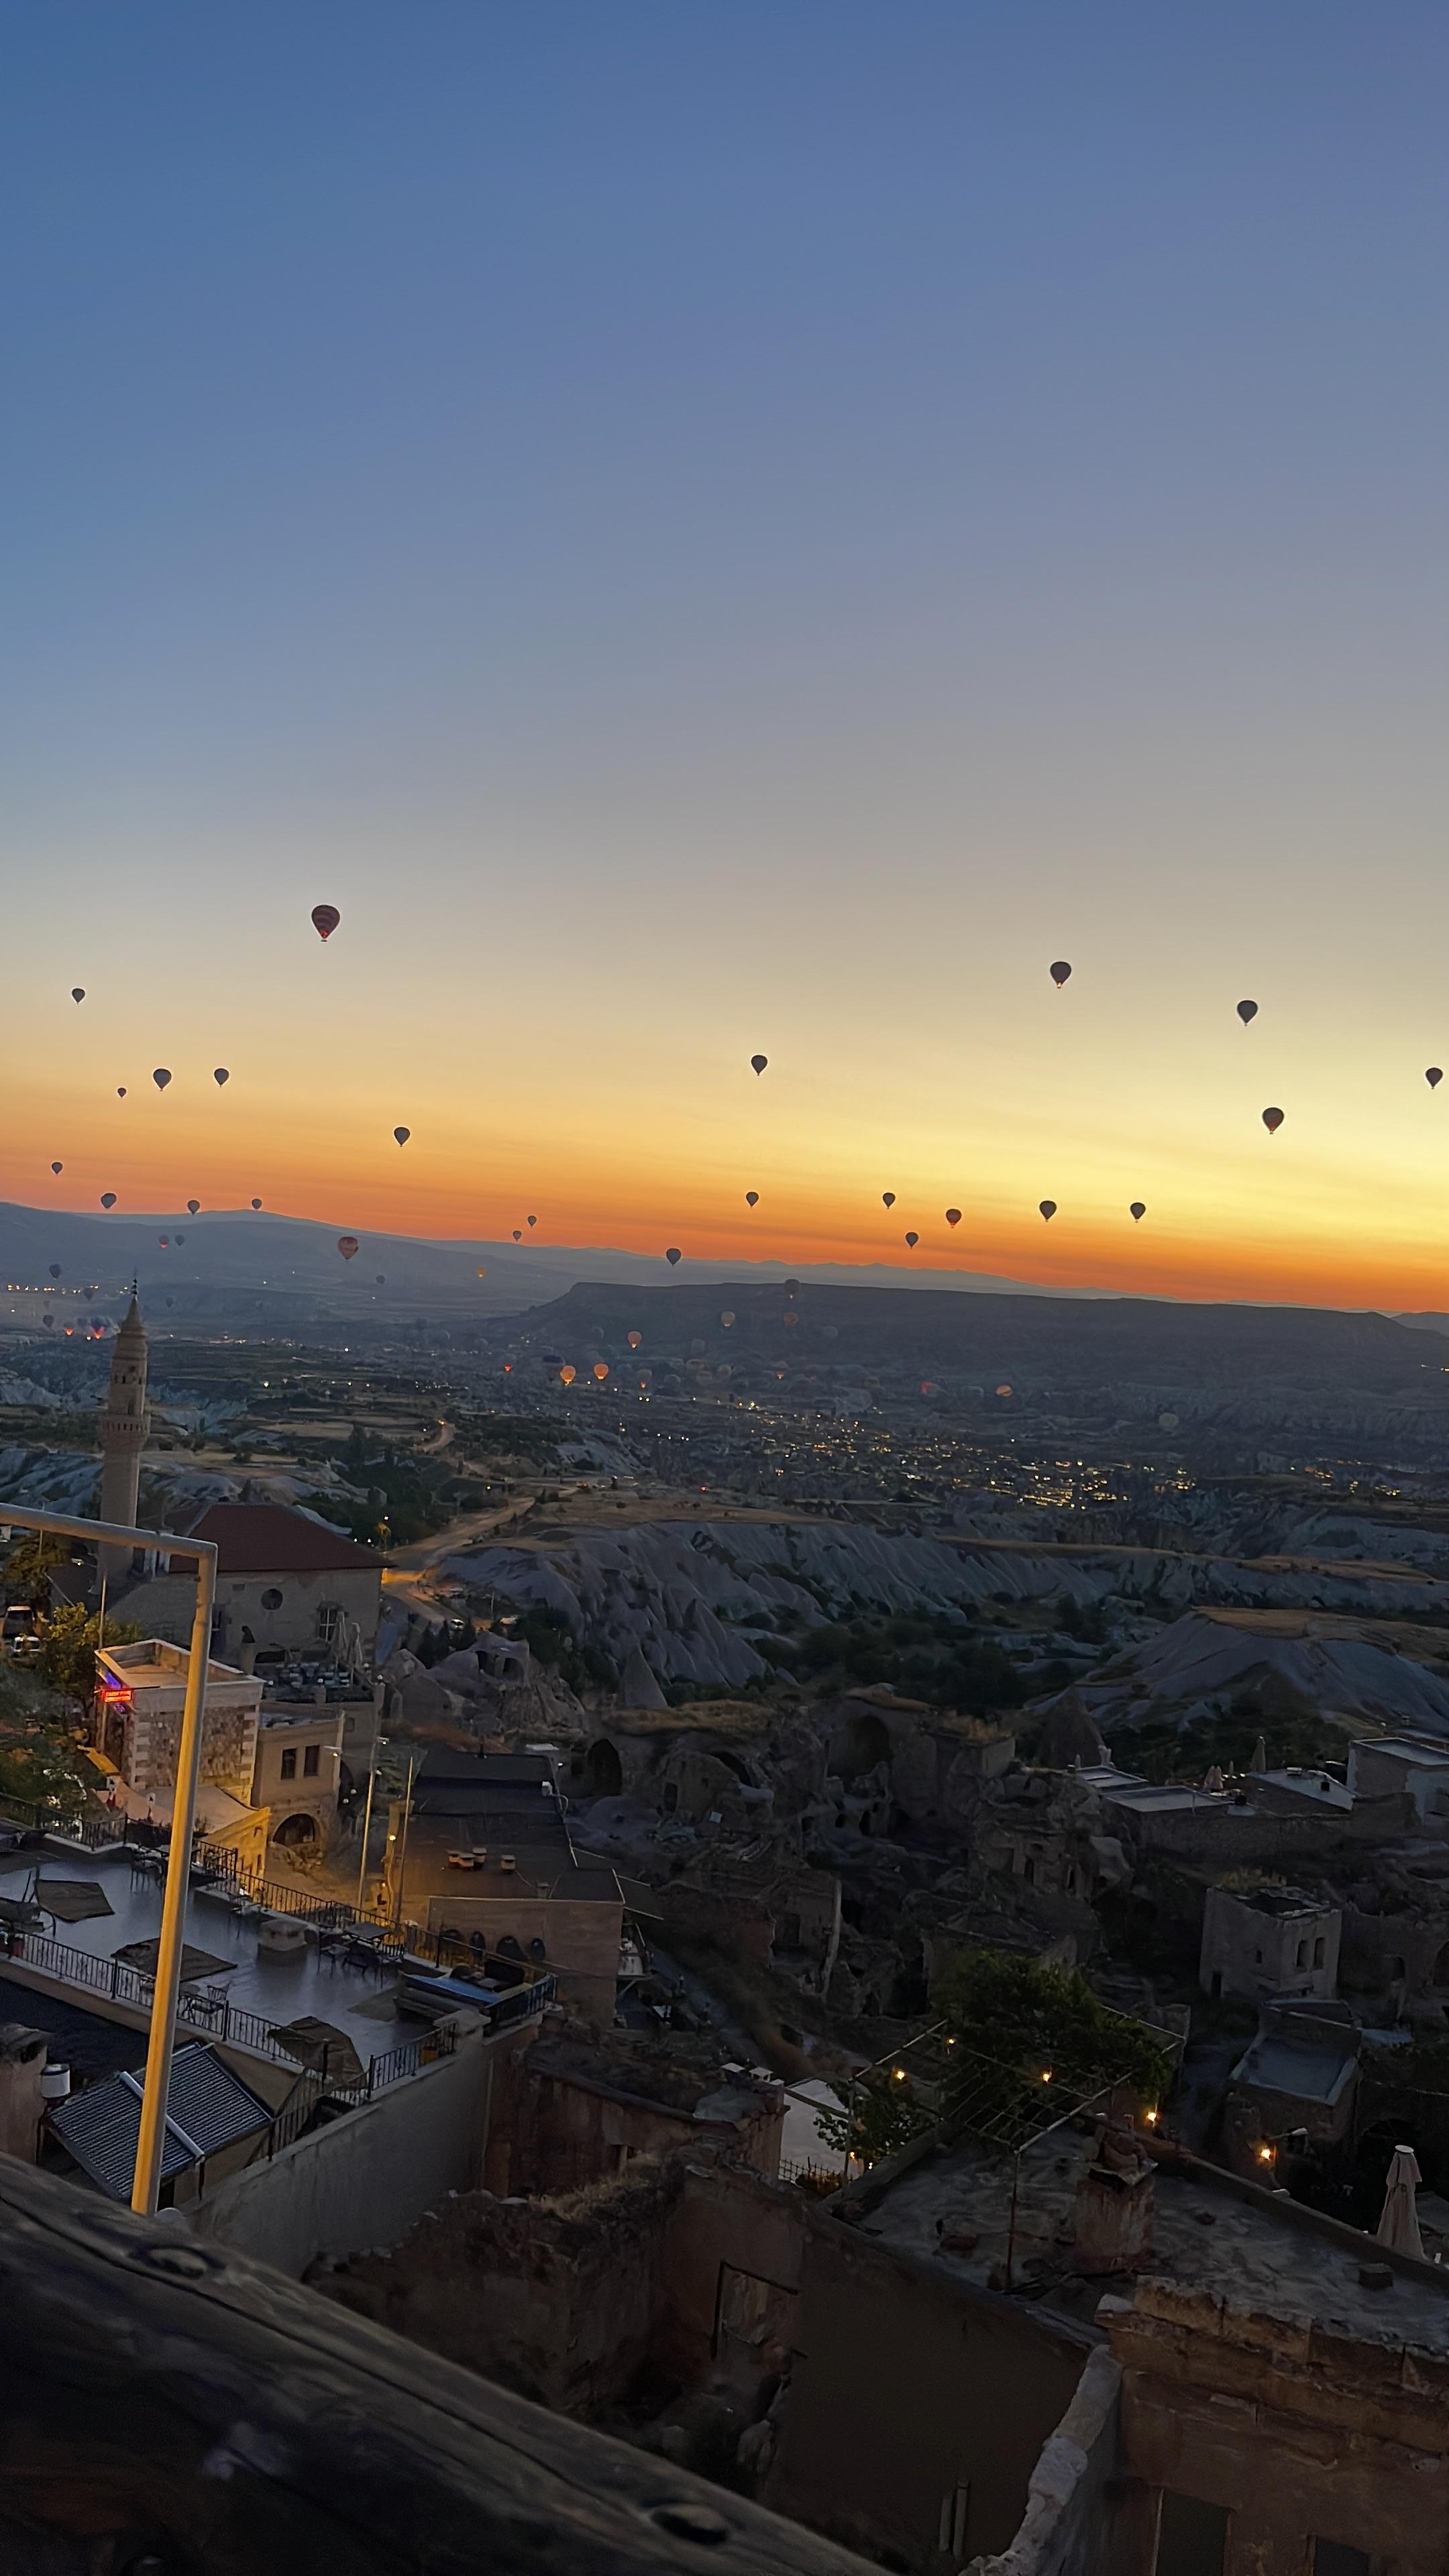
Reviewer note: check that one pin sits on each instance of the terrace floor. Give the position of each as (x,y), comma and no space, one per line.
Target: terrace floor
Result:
(360,2001)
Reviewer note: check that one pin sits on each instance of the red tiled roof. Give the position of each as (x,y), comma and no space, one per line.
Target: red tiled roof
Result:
(265,1538)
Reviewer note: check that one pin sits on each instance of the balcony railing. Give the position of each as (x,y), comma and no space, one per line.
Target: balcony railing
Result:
(169,2406)
(116,1982)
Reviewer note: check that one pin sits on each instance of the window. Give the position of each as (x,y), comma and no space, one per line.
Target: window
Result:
(1320,1950)
(311,1761)
(1335,2558)
(1192,2538)
(329,1622)
(1302,1960)
(289,1763)
(272,1600)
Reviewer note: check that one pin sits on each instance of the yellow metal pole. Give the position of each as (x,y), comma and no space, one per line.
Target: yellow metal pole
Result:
(150,2144)
(146,2183)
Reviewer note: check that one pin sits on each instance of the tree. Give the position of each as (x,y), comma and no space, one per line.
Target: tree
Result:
(1037,2021)
(68,1654)
(27,1567)
(879,2115)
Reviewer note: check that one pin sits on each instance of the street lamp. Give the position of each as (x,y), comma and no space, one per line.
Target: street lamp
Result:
(151,2140)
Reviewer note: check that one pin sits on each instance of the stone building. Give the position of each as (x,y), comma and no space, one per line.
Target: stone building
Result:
(140,1696)
(287,1587)
(297,1773)
(142,1691)
(1268,1941)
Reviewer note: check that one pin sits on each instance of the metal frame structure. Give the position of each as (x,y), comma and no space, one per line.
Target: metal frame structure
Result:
(150,2144)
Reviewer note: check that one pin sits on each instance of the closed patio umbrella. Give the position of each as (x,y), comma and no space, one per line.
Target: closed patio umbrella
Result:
(1399,2225)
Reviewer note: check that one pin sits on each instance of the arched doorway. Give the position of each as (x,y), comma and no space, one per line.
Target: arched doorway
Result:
(297,1833)
(603,1771)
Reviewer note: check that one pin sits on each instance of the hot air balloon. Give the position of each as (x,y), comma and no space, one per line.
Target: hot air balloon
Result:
(792,1287)
(120,1091)
(1272,1120)
(325,918)
(48,1321)
(256,1203)
(170,1301)
(55,1269)
(530,1220)
(1433,1077)
(696,1350)
(180,1238)
(1059,973)
(381,1279)
(77,992)
(1247,1011)
(568,1375)
(929,1386)
(164,1241)
(759,1062)
(953,1216)
(1137,1211)
(601,1370)
(221,1076)
(518,1234)
(347,1245)
(634,1341)
(1003,1390)
(1048,1209)
(887,1198)
(673,1255)
(160,1077)
(913,1240)
(193,1207)
(752,1198)
(483,1272)
(401,1135)
(88,1293)
(789,1321)
(728,1317)
(644,1382)
(57,1168)
(108,1198)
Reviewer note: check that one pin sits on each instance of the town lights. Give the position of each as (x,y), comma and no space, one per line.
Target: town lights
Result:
(1266,2155)
(1046,2075)
(1152,2118)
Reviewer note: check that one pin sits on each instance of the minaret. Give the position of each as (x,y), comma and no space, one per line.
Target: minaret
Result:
(124,1427)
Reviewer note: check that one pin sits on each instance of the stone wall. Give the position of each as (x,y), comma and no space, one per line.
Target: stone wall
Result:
(561,2129)
(1296,2429)
(559,2300)
(909,2386)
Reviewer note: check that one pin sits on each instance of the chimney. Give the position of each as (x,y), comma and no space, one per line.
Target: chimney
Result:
(1113,2217)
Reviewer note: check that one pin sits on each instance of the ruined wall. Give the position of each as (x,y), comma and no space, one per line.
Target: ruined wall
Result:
(909,2385)
(559,2130)
(1381,1950)
(557,2299)
(1298,2430)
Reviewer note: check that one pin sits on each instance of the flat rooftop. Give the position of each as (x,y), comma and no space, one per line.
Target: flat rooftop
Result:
(360,2001)
(1419,1751)
(1259,2249)
(1316,2072)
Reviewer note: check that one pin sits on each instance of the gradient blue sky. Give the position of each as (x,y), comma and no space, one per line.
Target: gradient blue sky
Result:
(716,527)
